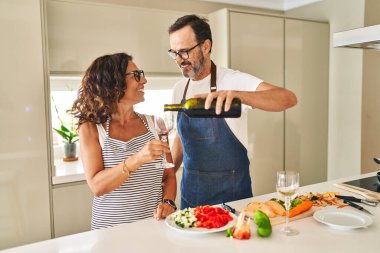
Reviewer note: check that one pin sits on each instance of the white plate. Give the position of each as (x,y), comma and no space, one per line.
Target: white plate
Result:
(343,219)
(199,231)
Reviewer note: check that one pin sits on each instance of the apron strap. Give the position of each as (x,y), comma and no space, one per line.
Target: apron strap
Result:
(212,84)
(213,77)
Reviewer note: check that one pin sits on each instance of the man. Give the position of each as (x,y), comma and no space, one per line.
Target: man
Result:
(213,150)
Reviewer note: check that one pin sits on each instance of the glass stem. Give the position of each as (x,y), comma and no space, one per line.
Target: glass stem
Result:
(164,138)
(287,208)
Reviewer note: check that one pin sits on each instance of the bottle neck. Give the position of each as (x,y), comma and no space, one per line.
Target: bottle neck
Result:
(173,107)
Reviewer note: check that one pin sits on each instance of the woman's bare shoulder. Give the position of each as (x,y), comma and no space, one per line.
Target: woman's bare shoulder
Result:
(88,129)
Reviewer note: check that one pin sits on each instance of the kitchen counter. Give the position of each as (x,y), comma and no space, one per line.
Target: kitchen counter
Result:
(68,172)
(155,236)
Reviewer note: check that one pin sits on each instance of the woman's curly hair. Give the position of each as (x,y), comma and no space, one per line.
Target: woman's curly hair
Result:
(103,85)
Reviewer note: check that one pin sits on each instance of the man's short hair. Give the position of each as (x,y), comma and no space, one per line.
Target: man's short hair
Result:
(199,25)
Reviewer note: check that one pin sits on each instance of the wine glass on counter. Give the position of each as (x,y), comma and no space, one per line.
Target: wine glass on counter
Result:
(164,124)
(287,186)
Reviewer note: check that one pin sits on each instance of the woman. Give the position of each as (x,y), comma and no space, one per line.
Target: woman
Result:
(121,156)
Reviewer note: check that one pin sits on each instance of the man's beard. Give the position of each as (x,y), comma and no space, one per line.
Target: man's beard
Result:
(196,68)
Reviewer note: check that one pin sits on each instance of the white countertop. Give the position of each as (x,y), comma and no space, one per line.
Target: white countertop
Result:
(155,236)
(68,172)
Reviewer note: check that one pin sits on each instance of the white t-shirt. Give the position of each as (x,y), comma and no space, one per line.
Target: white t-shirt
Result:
(226,79)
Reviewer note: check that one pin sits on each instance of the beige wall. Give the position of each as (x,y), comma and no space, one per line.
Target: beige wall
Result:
(195,6)
(345,91)
(371,101)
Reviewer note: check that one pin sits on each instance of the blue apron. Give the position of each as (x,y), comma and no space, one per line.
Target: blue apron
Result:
(216,165)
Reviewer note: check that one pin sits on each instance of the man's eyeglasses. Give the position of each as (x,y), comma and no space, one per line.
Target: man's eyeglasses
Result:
(183,53)
(137,74)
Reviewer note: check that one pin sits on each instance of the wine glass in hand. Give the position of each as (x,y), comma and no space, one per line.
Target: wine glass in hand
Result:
(287,186)
(164,124)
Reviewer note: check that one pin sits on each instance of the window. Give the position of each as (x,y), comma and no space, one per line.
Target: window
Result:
(64,89)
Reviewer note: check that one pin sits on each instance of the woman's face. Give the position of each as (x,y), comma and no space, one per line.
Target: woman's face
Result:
(134,92)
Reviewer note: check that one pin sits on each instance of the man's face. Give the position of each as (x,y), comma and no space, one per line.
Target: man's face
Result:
(181,41)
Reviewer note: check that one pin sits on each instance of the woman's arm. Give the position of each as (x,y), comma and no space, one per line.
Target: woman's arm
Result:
(169,188)
(100,180)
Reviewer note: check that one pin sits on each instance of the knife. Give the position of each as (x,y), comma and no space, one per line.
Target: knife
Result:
(357,206)
(234,211)
(229,208)
(353,199)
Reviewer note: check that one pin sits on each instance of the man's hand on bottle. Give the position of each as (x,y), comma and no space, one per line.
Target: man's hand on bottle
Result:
(220,96)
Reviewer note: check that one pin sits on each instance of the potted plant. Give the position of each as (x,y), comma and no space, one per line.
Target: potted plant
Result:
(69,144)
(69,136)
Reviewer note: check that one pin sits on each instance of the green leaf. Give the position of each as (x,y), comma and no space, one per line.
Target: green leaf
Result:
(313,198)
(296,202)
(65,129)
(67,135)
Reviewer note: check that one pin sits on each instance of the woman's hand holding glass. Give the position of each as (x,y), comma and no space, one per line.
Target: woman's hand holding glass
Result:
(164,124)
(151,151)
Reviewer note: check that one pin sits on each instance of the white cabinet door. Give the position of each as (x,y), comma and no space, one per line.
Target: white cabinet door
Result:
(24,170)
(257,48)
(78,33)
(72,206)
(306,66)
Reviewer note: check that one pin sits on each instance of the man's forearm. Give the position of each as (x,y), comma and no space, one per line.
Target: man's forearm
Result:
(269,98)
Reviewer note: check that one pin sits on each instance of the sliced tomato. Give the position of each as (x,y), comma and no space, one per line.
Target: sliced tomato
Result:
(211,217)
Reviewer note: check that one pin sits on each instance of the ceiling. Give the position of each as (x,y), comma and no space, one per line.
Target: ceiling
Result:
(279,5)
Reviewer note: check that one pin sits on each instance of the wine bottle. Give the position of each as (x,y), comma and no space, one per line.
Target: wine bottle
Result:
(195,108)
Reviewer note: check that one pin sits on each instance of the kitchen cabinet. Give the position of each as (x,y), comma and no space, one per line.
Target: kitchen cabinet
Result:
(24,164)
(256,48)
(306,61)
(291,54)
(72,205)
(79,32)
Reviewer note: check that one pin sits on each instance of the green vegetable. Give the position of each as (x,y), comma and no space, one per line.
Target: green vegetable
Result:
(281,203)
(264,231)
(260,218)
(264,228)
(180,224)
(295,202)
(229,232)
(313,198)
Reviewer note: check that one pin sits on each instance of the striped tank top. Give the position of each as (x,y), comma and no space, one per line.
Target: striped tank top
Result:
(139,195)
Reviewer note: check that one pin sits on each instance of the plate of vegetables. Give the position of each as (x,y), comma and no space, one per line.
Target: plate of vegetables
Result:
(201,220)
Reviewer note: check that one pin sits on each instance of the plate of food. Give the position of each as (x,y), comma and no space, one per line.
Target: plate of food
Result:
(343,219)
(201,220)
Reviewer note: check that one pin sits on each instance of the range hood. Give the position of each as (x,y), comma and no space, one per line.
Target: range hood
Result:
(366,37)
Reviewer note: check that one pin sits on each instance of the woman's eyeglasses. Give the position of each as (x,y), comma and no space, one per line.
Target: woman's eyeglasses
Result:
(137,74)
(183,54)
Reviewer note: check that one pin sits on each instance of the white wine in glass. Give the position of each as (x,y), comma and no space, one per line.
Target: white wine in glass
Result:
(287,186)
(164,124)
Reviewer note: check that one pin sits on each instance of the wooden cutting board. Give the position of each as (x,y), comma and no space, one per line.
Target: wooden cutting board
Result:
(281,219)
(363,192)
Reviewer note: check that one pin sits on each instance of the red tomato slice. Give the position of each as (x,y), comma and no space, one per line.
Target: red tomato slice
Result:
(211,217)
